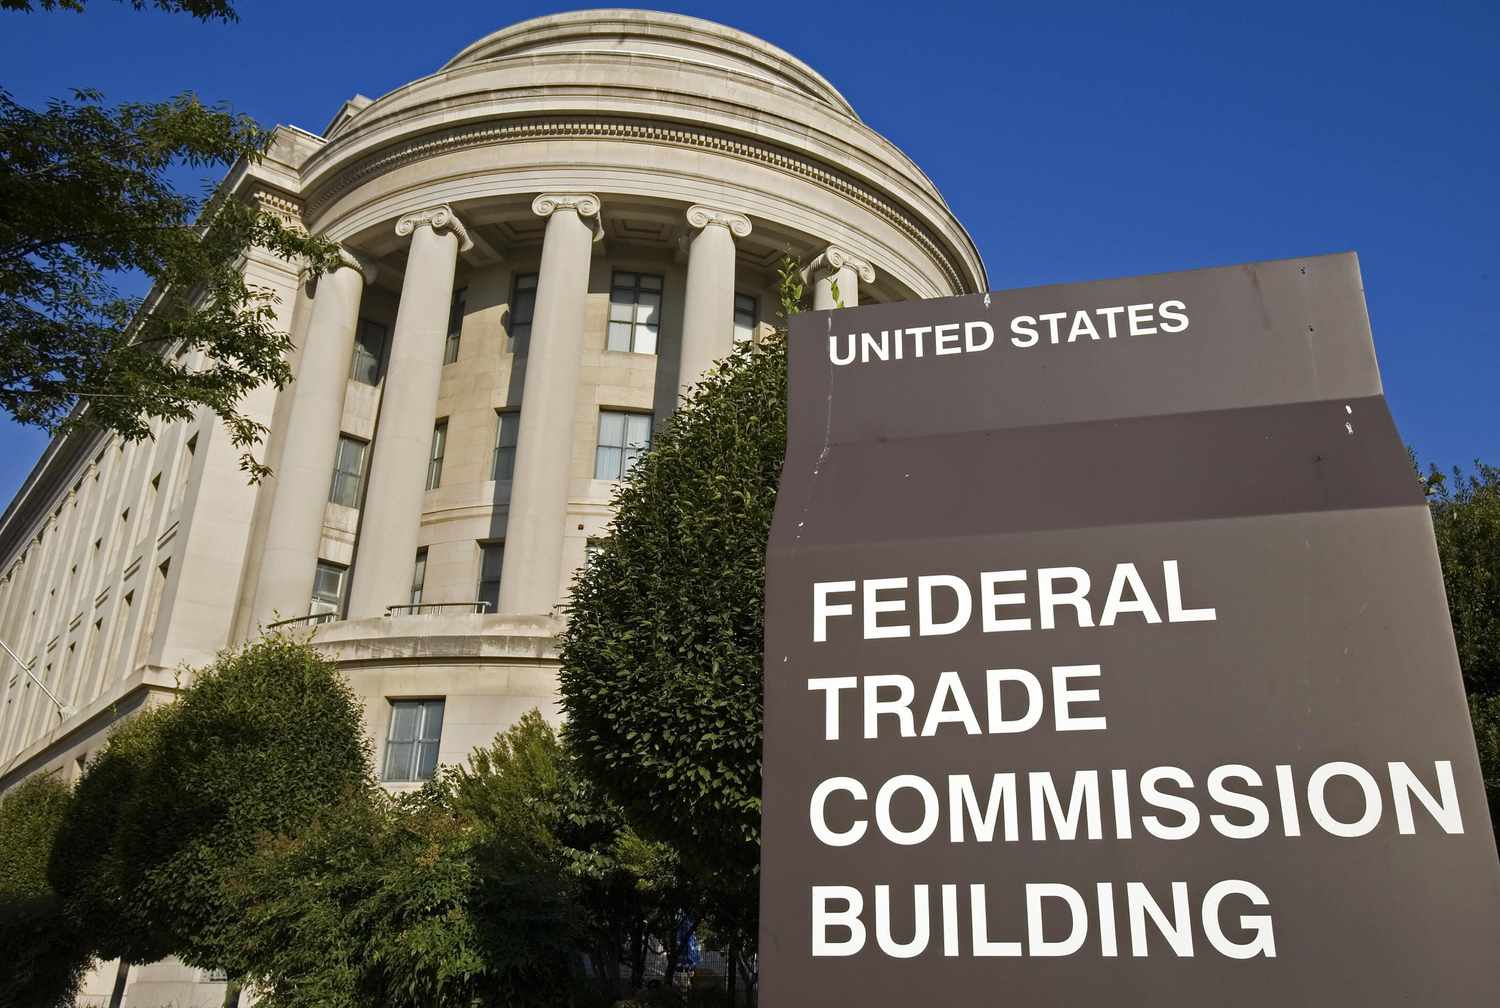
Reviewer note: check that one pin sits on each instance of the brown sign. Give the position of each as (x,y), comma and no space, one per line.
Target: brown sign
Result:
(1107,661)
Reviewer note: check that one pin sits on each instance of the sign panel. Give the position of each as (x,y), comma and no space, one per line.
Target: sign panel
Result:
(1107,660)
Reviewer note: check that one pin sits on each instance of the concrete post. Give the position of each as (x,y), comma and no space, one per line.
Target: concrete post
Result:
(530,579)
(835,265)
(290,555)
(392,512)
(708,312)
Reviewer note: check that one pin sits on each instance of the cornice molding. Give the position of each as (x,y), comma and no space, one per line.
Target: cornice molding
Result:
(439,218)
(279,205)
(512,131)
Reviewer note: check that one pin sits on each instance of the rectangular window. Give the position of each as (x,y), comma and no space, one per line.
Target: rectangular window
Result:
(491,559)
(418,576)
(455,325)
(746,317)
(622,439)
(634,312)
(369,352)
(328,589)
(522,308)
(411,745)
(348,471)
(435,457)
(507,426)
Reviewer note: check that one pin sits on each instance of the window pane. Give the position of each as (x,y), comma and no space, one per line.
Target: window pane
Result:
(650,282)
(646,308)
(619,336)
(427,757)
(522,309)
(637,430)
(510,426)
(369,348)
(622,308)
(491,559)
(404,716)
(455,325)
(611,428)
(746,317)
(520,337)
(607,463)
(398,761)
(419,576)
(432,721)
(645,339)
(435,461)
(506,428)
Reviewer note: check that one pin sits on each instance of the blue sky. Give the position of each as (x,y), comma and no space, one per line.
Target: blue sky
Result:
(1076,141)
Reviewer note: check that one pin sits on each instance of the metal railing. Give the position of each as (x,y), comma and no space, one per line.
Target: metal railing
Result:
(313,619)
(432,608)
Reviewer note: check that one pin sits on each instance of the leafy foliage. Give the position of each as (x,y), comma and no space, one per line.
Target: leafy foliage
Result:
(661,657)
(1484,712)
(45,956)
(367,905)
(84,197)
(204,10)
(489,886)
(1466,518)
(262,741)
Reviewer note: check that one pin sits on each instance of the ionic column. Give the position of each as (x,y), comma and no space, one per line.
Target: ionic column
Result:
(530,579)
(708,312)
(290,555)
(835,265)
(392,512)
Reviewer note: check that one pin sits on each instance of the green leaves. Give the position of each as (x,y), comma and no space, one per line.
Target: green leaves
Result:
(661,676)
(1466,519)
(45,956)
(84,198)
(204,10)
(261,743)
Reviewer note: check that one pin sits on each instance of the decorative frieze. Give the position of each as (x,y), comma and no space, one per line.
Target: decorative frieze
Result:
(488,134)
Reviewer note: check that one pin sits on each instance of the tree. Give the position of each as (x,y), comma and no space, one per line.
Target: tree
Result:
(547,828)
(489,886)
(1466,519)
(45,955)
(204,10)
(85,200)
(661,658)
(262,742)
(368,904)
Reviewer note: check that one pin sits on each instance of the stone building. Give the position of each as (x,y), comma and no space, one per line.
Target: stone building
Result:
(546,239)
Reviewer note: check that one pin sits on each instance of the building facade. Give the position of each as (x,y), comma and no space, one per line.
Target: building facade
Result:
(546,240)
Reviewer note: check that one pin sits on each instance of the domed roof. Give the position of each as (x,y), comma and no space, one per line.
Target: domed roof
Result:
(657,36)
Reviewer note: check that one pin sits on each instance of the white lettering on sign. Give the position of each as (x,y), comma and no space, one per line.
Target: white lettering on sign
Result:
(1073,325)
(1016,805)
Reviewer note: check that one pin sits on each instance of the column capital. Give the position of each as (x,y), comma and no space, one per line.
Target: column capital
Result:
(700,216)
(362,264)
(365,265)
(585,204)
(833,258)
(439,218)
